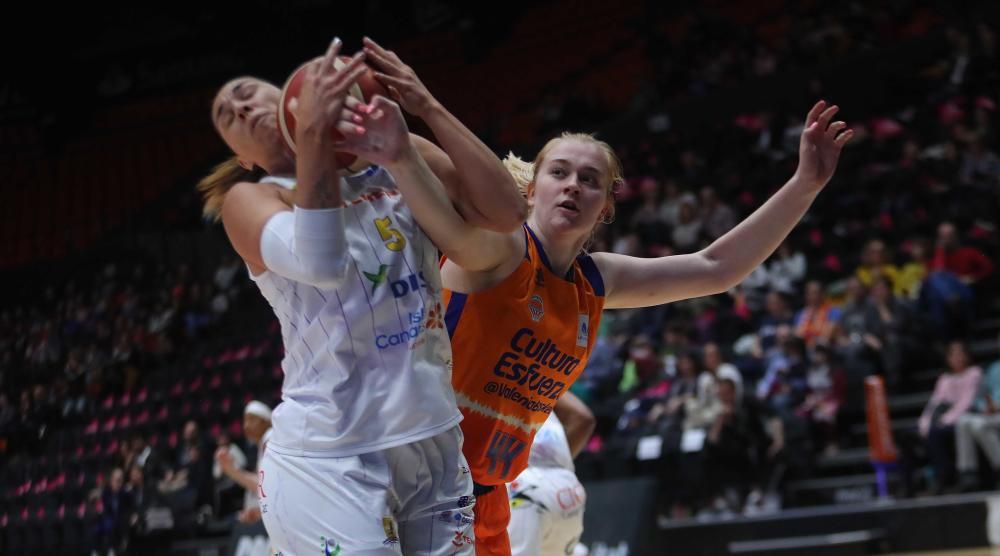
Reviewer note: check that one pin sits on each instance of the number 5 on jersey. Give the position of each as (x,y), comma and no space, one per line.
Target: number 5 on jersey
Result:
(393,238)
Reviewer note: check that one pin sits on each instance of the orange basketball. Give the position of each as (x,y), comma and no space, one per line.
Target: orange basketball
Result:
(365,88)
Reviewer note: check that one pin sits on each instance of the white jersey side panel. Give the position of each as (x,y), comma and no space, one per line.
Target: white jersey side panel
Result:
(368,364)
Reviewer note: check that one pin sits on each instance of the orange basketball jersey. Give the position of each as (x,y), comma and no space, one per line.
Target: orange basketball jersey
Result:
(517,348)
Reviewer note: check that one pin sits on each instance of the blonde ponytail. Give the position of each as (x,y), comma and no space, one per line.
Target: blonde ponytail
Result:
(522,171)
(217,183)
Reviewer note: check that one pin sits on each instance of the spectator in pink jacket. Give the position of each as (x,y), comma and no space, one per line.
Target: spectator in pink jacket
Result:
(953,396)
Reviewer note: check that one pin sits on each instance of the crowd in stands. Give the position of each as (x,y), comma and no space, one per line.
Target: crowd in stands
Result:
(71,344)
(890,265)
(97,434)
(122,400)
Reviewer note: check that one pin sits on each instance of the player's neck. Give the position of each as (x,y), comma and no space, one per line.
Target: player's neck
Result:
(283,167)
(560,249)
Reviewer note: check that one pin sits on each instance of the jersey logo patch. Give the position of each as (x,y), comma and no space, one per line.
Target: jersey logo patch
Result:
(330,547)
(435,317)
(379,278)
(583,331)
(536,307)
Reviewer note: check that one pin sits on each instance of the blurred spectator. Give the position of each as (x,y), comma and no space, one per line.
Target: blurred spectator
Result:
(117,506)
(980,427)
(715,370)
(257,428)
(675,342)
(980,166)
(875,262)
(197,311)
(786,269)
(953,395)
(7,413)
(784,383)
(687,232)
(739,450)
(628,244)
(778,314)
(147,458)
(191,437)
(914,271)
(815,322)
(716,216)
(682,437)
(642,368)
(646,220)
(826,387)
(889,329)
(598,377)
(191,477)
(225,274)
(852,339)
(137,489)
(236,457)
(229,494)
(968,263)
(149,513)
(670,207)
(753,289)
(671,411)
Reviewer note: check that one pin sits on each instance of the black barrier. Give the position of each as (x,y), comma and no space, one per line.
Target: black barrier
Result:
(620,517)
(248,540)
(933,523)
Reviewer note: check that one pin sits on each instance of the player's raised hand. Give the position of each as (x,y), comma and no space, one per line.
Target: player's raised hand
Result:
(402,82)
(319,104)
(375,132)
(820,145)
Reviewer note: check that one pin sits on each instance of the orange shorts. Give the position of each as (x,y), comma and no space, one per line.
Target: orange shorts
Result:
(492,516)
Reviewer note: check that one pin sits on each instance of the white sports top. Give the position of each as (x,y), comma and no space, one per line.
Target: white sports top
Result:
(367,364)
(550,447)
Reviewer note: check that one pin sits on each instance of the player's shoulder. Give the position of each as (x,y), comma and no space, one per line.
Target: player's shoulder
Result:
(591,273)
(247,206)
(245,191)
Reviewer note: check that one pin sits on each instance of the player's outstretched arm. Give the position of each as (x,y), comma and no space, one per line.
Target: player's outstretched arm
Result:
(476,180)
(641,282)
(381,137)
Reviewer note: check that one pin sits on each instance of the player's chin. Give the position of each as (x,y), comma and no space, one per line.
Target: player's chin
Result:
(569,224)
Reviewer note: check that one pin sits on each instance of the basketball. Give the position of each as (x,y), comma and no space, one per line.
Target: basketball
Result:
(365,88)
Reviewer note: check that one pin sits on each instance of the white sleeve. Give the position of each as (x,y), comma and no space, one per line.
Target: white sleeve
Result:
(306,245)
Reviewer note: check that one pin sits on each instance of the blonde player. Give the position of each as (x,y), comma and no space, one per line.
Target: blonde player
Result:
(523,307)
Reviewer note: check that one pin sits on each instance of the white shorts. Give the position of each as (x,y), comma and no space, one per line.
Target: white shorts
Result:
(546,512)
(411,499)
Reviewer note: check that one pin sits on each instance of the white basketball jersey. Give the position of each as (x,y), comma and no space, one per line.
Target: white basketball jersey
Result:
(550,447)
(368,364)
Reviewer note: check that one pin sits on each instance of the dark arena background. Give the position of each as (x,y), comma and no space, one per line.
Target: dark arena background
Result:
(131,338)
